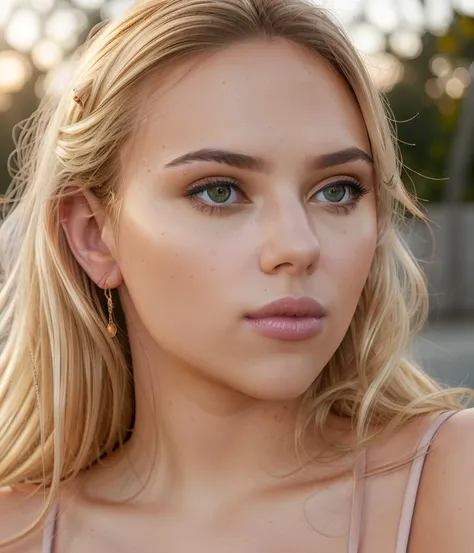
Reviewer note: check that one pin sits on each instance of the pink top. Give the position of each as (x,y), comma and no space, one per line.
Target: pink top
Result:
(408,507)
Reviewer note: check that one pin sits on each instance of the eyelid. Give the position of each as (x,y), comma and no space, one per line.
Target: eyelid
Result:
(338,179)
(346,180)
(208,182)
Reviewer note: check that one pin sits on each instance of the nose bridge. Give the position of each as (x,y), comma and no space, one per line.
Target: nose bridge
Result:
(289,241)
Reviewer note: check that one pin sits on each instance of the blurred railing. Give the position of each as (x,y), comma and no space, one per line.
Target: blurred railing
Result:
(448,260)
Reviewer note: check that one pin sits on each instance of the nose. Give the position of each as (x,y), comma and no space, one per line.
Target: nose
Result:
(289,243)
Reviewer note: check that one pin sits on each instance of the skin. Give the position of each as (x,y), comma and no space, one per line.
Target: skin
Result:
(217,401)
(188,277)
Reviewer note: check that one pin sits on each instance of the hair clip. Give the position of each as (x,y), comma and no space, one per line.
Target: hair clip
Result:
(77,98)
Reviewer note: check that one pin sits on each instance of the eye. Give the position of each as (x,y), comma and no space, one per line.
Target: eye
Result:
(221,194)
(216,195)
(335,193)
(347,192)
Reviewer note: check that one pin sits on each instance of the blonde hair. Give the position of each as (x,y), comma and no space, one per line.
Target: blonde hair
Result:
(66,389)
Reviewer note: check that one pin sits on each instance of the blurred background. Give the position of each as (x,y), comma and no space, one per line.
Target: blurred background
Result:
(420,54)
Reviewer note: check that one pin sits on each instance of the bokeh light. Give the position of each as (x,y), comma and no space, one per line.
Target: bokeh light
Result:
(406,43)
(23,29)
(440,66)
(367,38)
(115,8)
(5,9)
(438,14)
(64,25)
(386,70)
(455,88)
(413,14)
(463,75)
(465,6)
(42,6)
(49,30)
(15,71)
(46,54)
(383,14)
(88,4)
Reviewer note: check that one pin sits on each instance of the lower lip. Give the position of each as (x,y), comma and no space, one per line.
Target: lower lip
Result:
(287,328)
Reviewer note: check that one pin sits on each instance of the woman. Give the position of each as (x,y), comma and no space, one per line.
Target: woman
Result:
(222,171)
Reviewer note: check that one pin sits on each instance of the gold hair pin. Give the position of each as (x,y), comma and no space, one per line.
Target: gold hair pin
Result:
(77,98)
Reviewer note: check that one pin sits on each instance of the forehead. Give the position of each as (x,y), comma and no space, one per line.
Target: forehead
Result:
(257,95)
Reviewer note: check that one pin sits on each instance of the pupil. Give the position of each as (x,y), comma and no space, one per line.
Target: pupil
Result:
(219,194)
(335,193)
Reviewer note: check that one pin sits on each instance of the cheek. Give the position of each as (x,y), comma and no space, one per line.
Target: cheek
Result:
(347,257)
(172,273)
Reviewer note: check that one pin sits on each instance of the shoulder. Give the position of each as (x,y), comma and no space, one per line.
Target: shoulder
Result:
(444,515)
(19,508)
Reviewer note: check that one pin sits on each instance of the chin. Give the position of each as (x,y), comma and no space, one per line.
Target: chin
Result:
(281,385)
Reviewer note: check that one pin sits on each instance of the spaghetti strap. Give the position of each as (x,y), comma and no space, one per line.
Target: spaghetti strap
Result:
(408,508)
(357,504)
(50,528)
(355,530)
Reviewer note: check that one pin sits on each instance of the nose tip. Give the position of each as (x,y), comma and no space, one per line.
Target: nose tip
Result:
(301,262)
(292,256)
(290,243)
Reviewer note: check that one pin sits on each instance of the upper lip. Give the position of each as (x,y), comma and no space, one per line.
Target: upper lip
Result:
(290,307)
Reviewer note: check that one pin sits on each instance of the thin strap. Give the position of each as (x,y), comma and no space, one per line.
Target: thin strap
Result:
(413,484)
(357,504)
(50,527)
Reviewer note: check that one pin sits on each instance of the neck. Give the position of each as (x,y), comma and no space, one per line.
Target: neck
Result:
(205,437)
(195,439)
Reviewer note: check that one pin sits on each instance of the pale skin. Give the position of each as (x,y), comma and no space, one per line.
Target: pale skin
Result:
(215,397)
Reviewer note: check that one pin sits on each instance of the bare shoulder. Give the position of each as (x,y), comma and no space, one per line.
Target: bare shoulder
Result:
(444,516)
(19,508)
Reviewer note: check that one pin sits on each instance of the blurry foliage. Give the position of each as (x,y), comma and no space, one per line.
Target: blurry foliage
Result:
(425,126)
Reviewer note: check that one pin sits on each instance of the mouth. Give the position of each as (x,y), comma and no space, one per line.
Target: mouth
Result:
(289,319)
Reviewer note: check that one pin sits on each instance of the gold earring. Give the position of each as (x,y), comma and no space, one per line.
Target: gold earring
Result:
(111,326)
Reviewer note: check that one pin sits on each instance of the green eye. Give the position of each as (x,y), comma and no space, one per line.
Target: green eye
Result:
(345,193)
(335,193)
(219,194)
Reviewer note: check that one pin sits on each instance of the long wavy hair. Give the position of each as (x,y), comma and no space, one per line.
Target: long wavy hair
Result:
(66,388)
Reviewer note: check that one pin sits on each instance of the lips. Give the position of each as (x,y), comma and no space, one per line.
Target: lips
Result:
(290,307)
(288,319)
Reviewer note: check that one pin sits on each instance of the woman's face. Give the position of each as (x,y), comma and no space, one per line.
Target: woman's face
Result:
(250,180)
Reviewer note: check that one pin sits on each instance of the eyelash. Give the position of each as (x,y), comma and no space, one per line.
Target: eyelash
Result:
(357,189)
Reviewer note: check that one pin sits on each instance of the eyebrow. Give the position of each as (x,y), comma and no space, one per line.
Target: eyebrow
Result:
(341,157)
(233,159)
(244,161)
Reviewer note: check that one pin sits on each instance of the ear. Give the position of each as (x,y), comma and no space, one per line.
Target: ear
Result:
(90,236)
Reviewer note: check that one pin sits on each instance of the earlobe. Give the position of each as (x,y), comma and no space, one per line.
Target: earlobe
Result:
(84,221)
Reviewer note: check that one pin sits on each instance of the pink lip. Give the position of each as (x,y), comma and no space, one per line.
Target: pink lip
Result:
(289,319)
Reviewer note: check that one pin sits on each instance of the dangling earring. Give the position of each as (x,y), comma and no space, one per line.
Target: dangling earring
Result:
(111,326)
